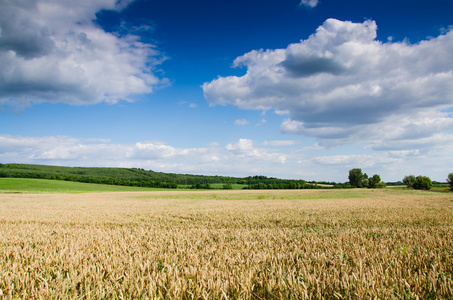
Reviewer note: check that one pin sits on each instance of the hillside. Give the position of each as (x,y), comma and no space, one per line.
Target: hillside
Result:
(114,176)
(144,178)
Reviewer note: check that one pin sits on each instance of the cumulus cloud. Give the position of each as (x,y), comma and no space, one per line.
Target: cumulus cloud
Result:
(342,85)
(98,152)
(309,3)
(363,160)
(52,51)
(241,122)
(244,149)
(191,105)
(281,143)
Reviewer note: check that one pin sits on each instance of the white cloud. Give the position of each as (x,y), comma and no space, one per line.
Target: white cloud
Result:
(244,149)
(241,122)
(159,150)
(343,86)
(51,51)
(363,160)
(191,105)
(281,143)
(69,151)
(309,3)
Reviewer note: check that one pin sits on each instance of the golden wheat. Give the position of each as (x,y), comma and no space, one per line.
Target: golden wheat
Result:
(359,244)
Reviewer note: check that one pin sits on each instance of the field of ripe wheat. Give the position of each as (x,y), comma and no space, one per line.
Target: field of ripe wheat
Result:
(308,244)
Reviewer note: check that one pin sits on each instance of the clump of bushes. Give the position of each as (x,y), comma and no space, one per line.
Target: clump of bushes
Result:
(422,183)
(418,183)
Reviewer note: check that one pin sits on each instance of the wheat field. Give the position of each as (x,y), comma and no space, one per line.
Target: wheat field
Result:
(306,244)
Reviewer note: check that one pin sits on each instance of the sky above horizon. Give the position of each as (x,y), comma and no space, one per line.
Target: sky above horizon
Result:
(303,89)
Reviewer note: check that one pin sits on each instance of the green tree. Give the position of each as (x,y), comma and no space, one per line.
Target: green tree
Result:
(409,180)
(450,180)
(373,181)
(422,183)
(356,177)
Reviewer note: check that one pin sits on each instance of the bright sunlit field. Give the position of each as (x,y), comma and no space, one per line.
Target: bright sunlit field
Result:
(298,244)
(27,185)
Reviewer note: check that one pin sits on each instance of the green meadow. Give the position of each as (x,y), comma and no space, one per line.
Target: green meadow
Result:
(26,185)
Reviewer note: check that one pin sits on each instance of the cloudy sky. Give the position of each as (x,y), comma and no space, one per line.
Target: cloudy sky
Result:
(305,89)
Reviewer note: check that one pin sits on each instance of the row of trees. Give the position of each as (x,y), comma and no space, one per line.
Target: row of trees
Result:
(141,177)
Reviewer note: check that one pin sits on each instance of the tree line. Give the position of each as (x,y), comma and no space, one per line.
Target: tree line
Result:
(143,178)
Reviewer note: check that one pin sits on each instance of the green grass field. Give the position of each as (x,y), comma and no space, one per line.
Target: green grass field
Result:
(25,185)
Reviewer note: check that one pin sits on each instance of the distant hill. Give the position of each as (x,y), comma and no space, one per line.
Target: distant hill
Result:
(144,178)
(115,176)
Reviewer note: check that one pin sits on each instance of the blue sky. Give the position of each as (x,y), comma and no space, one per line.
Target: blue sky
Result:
(292,89)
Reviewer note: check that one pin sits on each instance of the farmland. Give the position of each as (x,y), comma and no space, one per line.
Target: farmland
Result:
(286,244)
(26,185)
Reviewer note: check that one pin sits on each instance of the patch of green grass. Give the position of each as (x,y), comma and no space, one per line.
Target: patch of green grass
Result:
(411,191)
(26,185)
(441,187)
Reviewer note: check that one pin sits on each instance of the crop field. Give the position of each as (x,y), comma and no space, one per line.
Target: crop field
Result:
(292,244)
